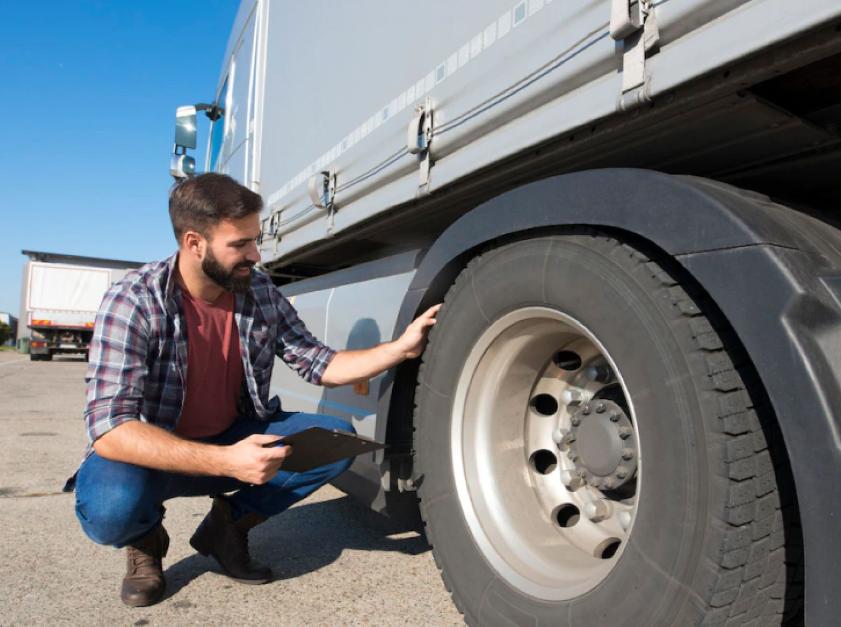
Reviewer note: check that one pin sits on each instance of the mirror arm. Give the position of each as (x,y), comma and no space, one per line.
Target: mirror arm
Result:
(212,111)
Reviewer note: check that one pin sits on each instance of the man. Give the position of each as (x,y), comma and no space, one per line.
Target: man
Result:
(178,392)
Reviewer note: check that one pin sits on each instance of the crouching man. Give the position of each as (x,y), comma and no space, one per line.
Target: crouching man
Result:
(178,392)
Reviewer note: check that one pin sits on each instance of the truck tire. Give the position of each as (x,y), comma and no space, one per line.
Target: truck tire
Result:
(47,357)
(588,452)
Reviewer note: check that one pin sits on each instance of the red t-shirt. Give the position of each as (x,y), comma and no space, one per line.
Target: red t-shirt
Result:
(214,366)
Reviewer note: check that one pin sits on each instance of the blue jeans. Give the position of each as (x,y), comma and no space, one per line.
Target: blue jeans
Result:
(117,503)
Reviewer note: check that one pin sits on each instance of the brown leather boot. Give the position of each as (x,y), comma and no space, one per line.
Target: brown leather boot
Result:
(227,541)
(144,582)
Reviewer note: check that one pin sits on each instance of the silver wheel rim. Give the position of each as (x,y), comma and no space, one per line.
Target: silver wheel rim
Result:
(521,507)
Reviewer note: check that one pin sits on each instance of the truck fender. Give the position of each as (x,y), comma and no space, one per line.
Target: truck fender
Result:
(774,273)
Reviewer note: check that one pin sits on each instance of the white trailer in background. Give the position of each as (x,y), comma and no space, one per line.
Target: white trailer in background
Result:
(628,411)
(61,295)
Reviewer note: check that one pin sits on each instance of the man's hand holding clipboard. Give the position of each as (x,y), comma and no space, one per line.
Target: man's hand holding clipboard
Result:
(317,446)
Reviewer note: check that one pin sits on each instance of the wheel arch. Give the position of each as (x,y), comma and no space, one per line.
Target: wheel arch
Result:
(789,267)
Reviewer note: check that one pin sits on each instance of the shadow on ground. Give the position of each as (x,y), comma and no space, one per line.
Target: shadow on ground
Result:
(307,538)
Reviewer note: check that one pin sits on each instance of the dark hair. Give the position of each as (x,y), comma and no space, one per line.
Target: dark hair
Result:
(201,202)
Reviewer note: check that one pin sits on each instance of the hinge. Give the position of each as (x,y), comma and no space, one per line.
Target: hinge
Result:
(419,141)
(634,22)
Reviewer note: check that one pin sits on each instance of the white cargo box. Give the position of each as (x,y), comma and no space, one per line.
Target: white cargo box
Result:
(65,295)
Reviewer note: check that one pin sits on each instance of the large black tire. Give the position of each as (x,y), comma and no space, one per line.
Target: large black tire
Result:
(711,540)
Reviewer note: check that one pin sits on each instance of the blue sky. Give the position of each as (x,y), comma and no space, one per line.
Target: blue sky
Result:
(88,92)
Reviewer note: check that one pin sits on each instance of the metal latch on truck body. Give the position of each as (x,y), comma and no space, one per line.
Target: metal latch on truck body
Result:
(634,23)
(419,140)
(321,187)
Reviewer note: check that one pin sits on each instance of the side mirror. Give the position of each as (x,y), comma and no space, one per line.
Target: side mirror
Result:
(185,127)
(182,165)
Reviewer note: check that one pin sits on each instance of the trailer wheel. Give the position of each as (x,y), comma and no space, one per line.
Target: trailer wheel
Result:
(587,451)
(47,357)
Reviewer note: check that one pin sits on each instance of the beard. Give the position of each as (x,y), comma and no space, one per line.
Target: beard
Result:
(224,278)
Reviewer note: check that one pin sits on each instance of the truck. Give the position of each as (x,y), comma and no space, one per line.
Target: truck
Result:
(628,410)
(61,295)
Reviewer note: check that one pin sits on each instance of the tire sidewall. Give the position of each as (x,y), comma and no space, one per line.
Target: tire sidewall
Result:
(604,286)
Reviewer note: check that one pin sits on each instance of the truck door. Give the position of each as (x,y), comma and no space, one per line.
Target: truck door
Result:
(231,149)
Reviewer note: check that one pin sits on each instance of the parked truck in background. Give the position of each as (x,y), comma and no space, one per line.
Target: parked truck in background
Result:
(61,295)
(627,412)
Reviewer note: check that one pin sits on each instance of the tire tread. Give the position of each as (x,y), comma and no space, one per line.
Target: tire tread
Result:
(755,577)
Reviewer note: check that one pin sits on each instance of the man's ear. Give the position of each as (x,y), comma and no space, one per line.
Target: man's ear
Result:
(194,243)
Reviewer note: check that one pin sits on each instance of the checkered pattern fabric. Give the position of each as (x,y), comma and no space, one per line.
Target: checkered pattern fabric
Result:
(138,355)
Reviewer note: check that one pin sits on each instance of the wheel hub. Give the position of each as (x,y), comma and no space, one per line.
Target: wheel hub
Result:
(542,433)
(602,445)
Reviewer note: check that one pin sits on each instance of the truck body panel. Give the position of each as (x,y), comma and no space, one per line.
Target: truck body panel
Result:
(503,77)
(350,322)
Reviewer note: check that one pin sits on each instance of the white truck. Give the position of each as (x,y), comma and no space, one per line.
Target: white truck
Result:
(628,411)
(60,300)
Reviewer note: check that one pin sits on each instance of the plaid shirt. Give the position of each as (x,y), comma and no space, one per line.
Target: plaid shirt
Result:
(138,354)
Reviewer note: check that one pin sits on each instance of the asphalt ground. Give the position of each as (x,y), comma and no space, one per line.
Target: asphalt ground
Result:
(335,561)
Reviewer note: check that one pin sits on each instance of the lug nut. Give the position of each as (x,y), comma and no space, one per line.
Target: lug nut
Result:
(572,396)
(608,484)
(600,374)
(601,408)
(586,409)
(621,472)
(627,454)
(576,396)
(624,432)
(572,456)
(597,511)
(571,480)
(614,417)
(625,520)
(575,421)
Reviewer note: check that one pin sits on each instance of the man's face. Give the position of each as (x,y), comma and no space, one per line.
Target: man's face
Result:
(231,252)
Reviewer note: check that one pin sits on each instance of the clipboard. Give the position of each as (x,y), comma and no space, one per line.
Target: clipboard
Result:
(316,446)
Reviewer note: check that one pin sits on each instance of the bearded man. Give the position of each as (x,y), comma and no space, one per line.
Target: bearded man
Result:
(178,392)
